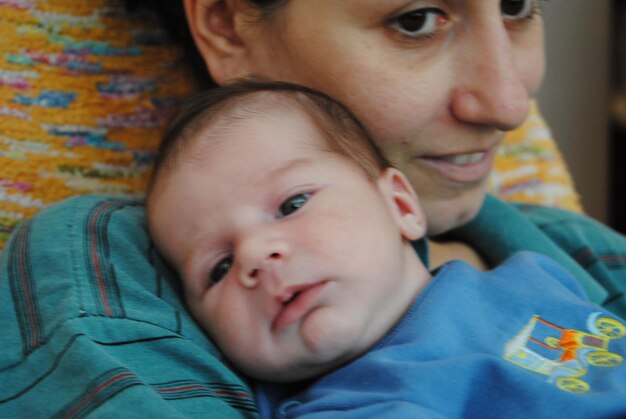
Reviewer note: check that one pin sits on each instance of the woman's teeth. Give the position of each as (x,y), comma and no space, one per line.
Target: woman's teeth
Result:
(465,159)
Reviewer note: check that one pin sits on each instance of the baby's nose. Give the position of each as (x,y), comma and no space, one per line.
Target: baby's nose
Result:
(259,262)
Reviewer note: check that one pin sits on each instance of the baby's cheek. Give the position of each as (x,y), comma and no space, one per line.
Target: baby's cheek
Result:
(324,329)
(333,230)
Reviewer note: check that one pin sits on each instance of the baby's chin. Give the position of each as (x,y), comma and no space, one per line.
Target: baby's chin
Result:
(329,338)
(286,373)
(305,366)
(290,372)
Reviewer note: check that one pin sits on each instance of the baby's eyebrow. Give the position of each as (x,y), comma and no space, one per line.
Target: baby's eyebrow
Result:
(288,167)
(189,269)
(193,265)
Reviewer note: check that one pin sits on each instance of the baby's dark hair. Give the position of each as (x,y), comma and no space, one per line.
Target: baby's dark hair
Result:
(343,132)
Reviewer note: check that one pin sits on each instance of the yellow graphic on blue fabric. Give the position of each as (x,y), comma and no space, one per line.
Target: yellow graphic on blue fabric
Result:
(565,355)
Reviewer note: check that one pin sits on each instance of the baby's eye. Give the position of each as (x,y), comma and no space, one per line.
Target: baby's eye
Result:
(220,270)
(293,204)
(419,23)
(518,9)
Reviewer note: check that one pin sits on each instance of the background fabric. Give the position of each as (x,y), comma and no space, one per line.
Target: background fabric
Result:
(86,88)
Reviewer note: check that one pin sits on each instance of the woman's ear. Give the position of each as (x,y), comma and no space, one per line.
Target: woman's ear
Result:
(403,202)
(215,32)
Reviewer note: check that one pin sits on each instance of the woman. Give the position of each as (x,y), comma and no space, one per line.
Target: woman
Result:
(97,317)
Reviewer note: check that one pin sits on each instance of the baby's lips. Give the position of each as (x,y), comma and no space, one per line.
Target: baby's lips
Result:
(299,300)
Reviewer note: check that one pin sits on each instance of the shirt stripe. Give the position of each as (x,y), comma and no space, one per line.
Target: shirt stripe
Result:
(103,281)
(23,290)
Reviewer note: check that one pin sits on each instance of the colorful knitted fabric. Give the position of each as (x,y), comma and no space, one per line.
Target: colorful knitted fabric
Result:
(86,88)
(529,168)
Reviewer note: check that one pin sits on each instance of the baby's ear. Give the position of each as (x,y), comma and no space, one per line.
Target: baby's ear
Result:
(215,33)
(403,202)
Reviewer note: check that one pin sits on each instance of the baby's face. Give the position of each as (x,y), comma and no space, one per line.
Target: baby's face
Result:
(292,259)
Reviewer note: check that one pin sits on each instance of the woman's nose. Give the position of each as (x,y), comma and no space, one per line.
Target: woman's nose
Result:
(259,260)
(490,86)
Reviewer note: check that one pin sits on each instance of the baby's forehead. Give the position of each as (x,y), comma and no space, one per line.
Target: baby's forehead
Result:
(262,106)
(236,125)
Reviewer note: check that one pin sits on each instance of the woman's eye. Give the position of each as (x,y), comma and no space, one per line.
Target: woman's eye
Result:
(518,9)
(293,204)
(220,270)
(419,23)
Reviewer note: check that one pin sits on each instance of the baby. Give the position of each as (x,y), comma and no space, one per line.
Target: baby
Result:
(294,239)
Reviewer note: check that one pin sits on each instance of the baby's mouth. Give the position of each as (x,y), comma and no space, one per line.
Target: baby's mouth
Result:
(296,303)
(291,298)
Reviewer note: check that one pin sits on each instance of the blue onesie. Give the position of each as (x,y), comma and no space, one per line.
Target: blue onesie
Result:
(520,341)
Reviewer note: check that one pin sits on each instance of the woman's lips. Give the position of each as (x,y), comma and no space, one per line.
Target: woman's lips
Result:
(296,304)
(465,159)
(463,167)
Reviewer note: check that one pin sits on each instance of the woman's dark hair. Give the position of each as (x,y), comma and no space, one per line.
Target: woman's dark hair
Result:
(344,133)
(172,16)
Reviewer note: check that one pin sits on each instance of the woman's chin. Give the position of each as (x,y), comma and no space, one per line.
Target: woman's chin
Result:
(449,213)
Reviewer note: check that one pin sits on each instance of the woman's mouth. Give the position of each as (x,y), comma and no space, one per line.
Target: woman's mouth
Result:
(465,159)
(464,168)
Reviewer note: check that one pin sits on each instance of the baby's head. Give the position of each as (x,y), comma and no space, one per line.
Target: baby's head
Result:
(288,228)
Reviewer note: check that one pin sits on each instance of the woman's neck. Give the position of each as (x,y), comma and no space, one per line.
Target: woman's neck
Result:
(442,252)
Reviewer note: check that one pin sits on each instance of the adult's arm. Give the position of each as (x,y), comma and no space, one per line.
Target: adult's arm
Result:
(92,323)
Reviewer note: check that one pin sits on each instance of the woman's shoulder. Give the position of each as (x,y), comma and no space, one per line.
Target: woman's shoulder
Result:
(594,253)
(597,248)
(576,231)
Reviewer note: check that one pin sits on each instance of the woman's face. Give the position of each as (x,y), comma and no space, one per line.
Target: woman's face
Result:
(437,82)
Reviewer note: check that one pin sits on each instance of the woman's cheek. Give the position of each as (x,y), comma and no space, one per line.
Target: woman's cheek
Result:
(530,57)
(399,109)
(534,71)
